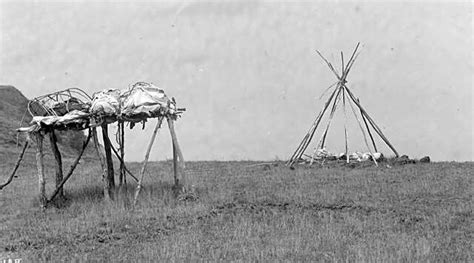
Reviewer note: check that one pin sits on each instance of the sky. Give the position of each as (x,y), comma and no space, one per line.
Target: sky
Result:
(248,72)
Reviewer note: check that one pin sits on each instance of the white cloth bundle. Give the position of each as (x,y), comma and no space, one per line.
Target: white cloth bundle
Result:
(106,102)
(144,98)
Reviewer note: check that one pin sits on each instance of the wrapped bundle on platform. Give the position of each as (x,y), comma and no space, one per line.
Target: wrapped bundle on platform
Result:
(62,110)
(73,109)
(105,106)
(144,100)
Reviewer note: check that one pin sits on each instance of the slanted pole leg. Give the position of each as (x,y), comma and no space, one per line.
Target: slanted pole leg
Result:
(175,165)
(177,153)
(59,164)
(147,155)
(109,179)
(9,180)
(40,168)
(59,187)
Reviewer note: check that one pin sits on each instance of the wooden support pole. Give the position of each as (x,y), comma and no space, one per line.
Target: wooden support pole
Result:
(97,147)
(102,163)
(59,187)
(20,157)
(177,154)
(122,176)
(109,179)
(59,164)
(122,162)
(40,168)
(147,155)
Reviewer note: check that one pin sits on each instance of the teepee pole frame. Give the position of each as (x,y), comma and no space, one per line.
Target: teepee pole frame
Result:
(340,87)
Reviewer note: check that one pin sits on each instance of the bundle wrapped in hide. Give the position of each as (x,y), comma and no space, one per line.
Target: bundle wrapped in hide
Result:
(145,100)
(106,102)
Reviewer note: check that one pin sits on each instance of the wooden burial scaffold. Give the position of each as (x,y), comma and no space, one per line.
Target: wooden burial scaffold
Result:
(73,109)
(340,92)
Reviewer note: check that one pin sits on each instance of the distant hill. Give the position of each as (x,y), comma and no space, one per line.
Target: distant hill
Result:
(13,114)
(12,109)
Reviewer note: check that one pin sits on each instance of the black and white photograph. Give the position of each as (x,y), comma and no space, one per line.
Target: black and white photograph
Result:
(236,131)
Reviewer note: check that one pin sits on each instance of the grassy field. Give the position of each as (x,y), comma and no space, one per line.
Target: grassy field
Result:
(407,213)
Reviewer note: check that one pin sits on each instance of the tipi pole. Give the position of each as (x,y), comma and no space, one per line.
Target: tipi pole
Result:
(345,121)
(362,130)
(176,154)
(372,122)
(40,168)
(314,130)
(307,139)
(110,180)
(329,65)
(59,187)
(350,63)
(342,62)
(368,130)
(20,157)
(297,154)
(147,155)
(331,115)
(333,110)
(57,157)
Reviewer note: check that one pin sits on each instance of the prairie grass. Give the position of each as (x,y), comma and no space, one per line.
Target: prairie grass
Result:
(419,212)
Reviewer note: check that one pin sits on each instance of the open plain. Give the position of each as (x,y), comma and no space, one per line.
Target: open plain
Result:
(246,211)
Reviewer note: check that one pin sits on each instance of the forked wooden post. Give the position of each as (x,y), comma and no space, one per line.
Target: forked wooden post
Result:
(40,168)
(109,179)
(177,154)
(147,155)
(59,164)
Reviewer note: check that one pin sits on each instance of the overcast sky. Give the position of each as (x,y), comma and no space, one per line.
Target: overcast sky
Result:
(248,73)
